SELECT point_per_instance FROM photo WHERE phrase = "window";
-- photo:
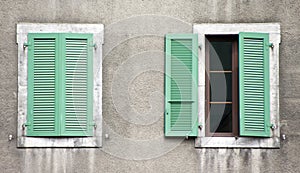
(237, 85)
(59, 85)
(238, 90)
(222, 87)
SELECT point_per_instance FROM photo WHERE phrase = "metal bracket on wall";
(94, 125)
(25, 125)
(94, 45)
(25, 45)
(273, 126)
(200, 126)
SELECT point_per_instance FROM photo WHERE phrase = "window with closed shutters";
(60, 84)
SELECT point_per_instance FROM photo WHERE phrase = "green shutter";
(41, 112)
(181, 81)
(78, 85)
(254, 84)
(60, 85)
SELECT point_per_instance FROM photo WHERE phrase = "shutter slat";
(254, 84)
(181, 85)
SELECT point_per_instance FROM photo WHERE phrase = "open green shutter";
(254, 84)
(181, 81)
(41, 105)
(77, 85)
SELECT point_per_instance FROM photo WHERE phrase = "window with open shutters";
(234, 88)
(238, 85)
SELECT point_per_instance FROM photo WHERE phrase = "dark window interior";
(221, 85)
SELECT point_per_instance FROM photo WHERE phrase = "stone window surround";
(98, 38)
(240, 142)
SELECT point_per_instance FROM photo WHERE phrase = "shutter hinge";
(200, 126)
(93, 124)
(25, 45)
(94, 45)
(25, 125)
(271, 45)
(273, 126)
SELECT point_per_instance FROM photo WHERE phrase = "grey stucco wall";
(134, 44)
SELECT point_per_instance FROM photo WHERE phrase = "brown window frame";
(235, 89)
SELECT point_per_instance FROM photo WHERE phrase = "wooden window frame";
(235, 90)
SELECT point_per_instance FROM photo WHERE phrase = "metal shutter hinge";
(200, 126)
(25, 125)
(94, 124)
(25, 45)
(271, 45)
(273, 126)
(94, 45)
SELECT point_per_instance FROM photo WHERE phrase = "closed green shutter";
(78, 86)
(42, 84)
(60, 85)
(254, 84)
(181, 81)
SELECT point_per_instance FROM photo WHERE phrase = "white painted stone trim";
(241, 142)
(98, 37)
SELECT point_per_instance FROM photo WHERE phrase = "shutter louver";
(41, 85)
(78, 85)
(181, 85)
(254, 84)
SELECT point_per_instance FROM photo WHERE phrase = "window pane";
(220, 56)
(220, 87)
(220, 118)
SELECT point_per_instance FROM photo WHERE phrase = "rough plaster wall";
(182, 157)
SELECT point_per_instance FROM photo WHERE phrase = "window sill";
(240, 142)
(53, 142)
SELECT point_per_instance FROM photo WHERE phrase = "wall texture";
(133, 68)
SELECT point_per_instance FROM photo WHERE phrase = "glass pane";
(220, 87)
(220, 56)
(220, 118)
